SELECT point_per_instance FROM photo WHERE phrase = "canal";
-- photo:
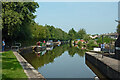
(60, 62)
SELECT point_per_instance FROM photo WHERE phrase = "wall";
(102, 67)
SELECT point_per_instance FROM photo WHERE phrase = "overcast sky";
(95, 17)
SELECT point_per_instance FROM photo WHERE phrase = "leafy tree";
(106, 39)
(81, 33)
(86, 37)
(17, 17)
(91, 44)
(40, 32)
(59, 34)
(56, 33)
(72, 34)
(52, 31)
(65, 36)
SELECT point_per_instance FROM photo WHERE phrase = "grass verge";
(10, 66)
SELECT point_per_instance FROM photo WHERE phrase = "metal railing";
(16, 46)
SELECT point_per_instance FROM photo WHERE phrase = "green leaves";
(80, 44)
(91, 44)
(48, 32)
(72, 34)
(17, 18)
(81, 33)
(77, 35)
(106, 39)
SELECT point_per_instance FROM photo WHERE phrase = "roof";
(82, 40)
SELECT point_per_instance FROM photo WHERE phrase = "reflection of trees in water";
(49, 56)
(74, 50)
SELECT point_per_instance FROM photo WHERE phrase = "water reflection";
(74, 50)
(40, 58)
(63, 61)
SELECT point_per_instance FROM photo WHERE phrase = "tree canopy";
(48, 32)
(19, 25)
(81, 33)
(72, 33)
(106, 39)
(17, 17)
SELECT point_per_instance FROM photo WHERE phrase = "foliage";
(11, 68)
(48, 32)
(40, 32)
(57, 33)
(80, 44)
(74, 50)
(19, 25)
(106, 39)
(72, 34)
(49, 56)
(81, 33)
(86, 37)
(91, 44)
(17, 18)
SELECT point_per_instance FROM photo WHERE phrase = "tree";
(56, 33)
(17, 17)
(106, 39)
(72, 34)
(86, 37)
(91, 44)
(40, 32)
(52, 31)
(81, 33)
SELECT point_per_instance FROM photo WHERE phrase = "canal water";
(60, 62)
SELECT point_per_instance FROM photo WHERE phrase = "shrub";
(91, 44)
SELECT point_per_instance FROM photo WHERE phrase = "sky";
(94, 17)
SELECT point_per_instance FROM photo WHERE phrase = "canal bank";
(109, 67)
(30, 71)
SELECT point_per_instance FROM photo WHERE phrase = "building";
(93, 36)
(82, 41)
(112, 35)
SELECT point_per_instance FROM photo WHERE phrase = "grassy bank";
(10, 66)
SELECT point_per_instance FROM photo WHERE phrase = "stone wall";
(106, 70)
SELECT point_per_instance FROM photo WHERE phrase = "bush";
(91, 44)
